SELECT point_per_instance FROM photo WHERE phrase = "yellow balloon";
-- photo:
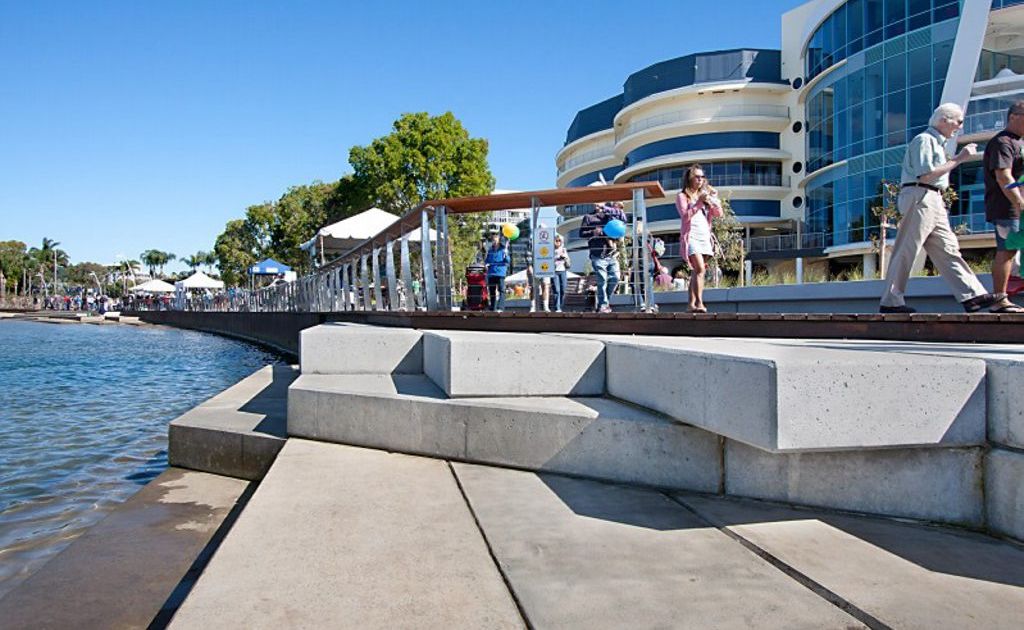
(510, 231)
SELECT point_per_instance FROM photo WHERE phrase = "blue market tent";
(268, 267)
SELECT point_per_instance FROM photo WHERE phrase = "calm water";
(83, 422)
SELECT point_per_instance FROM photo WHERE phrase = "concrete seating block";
(341, 348)
(238, 432)
(1004, 492)
(591, 437)
(466, 363)
(935, 484)
(793, 399)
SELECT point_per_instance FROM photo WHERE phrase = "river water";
(83, 422)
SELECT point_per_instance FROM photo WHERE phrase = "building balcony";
(786, 242)
(706, 114)
(587, 156)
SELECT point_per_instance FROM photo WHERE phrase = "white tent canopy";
(199, 280)
(155, 286)
(521, 278)
(338, 238)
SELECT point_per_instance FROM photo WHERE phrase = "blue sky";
(126, 126)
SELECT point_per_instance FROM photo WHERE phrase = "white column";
(410, 298)
(378, 295)
(870, 265)
(799, 270)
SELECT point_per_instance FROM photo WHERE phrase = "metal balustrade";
(702, 114)
(356, 280)
(786, 242)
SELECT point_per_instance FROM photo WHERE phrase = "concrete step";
(787, 399)
(592, 437)
(581, 554)
(342, 537)
(1004, 492)
(341, 348)
(901, 575)
(239, 431)
(467, 363)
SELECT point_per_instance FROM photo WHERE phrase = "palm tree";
(165, 257)
(195, 260)
(151, 258)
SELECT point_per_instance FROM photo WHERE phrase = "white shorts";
(698, 245)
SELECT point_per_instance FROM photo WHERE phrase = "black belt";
(920, 185)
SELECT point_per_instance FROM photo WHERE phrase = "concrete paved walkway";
(339, 536)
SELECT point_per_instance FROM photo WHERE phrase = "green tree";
(81, 274)
(195, 260)
(729, 233)
(425, 157)
(13, 259)
(156, 259)
(236, 249)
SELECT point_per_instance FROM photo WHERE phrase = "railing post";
(364, 280)
(534, 221)
(640, 216)
(346, 284)
(444, 271)
(389, 270)
(378, 296)
(410, 296)
(429, 288)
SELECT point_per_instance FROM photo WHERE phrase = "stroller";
(476, 288)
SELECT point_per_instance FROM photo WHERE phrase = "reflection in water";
(83, 422)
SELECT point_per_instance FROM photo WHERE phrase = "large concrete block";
(1004, 365)
(933, 484)
(781, 398)
(340, 348)
(1004, 492)
(590, 437)
(465, 363)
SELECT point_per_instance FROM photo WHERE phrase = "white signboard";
(544, 252)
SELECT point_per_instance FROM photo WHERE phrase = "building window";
(731, 173)
(860, 24)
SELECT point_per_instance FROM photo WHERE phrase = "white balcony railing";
(586, 156)
(705, 113)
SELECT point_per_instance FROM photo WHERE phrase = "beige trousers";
(925, 223)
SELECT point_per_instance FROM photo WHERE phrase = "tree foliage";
(423, 158)
(426, 157)
(14, 261)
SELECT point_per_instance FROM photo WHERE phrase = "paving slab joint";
(801, 578)
(490, 549)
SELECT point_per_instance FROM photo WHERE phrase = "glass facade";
(860, 24)
(727, 65)
(704, 142)
(733, 173)
(861, 116)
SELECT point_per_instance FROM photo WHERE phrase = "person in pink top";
(697, 204)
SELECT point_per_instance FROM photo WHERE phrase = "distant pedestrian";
(1004, 166)
(497, 260)
(559, 282)
(679, 282)
(697, 204)
(924, 221)
(603, 250)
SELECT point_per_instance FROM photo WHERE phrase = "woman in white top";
(697, 204)
(558, 283)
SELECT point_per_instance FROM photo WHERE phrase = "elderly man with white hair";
(924, 221)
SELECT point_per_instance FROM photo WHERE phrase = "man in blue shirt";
(603, 250)
(924, 221)
(497, 261)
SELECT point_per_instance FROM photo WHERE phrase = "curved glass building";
(801, 138)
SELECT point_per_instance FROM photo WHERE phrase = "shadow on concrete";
(628, 505)
(935, 548)
(272, 402)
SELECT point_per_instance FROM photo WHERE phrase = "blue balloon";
(615, 229)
